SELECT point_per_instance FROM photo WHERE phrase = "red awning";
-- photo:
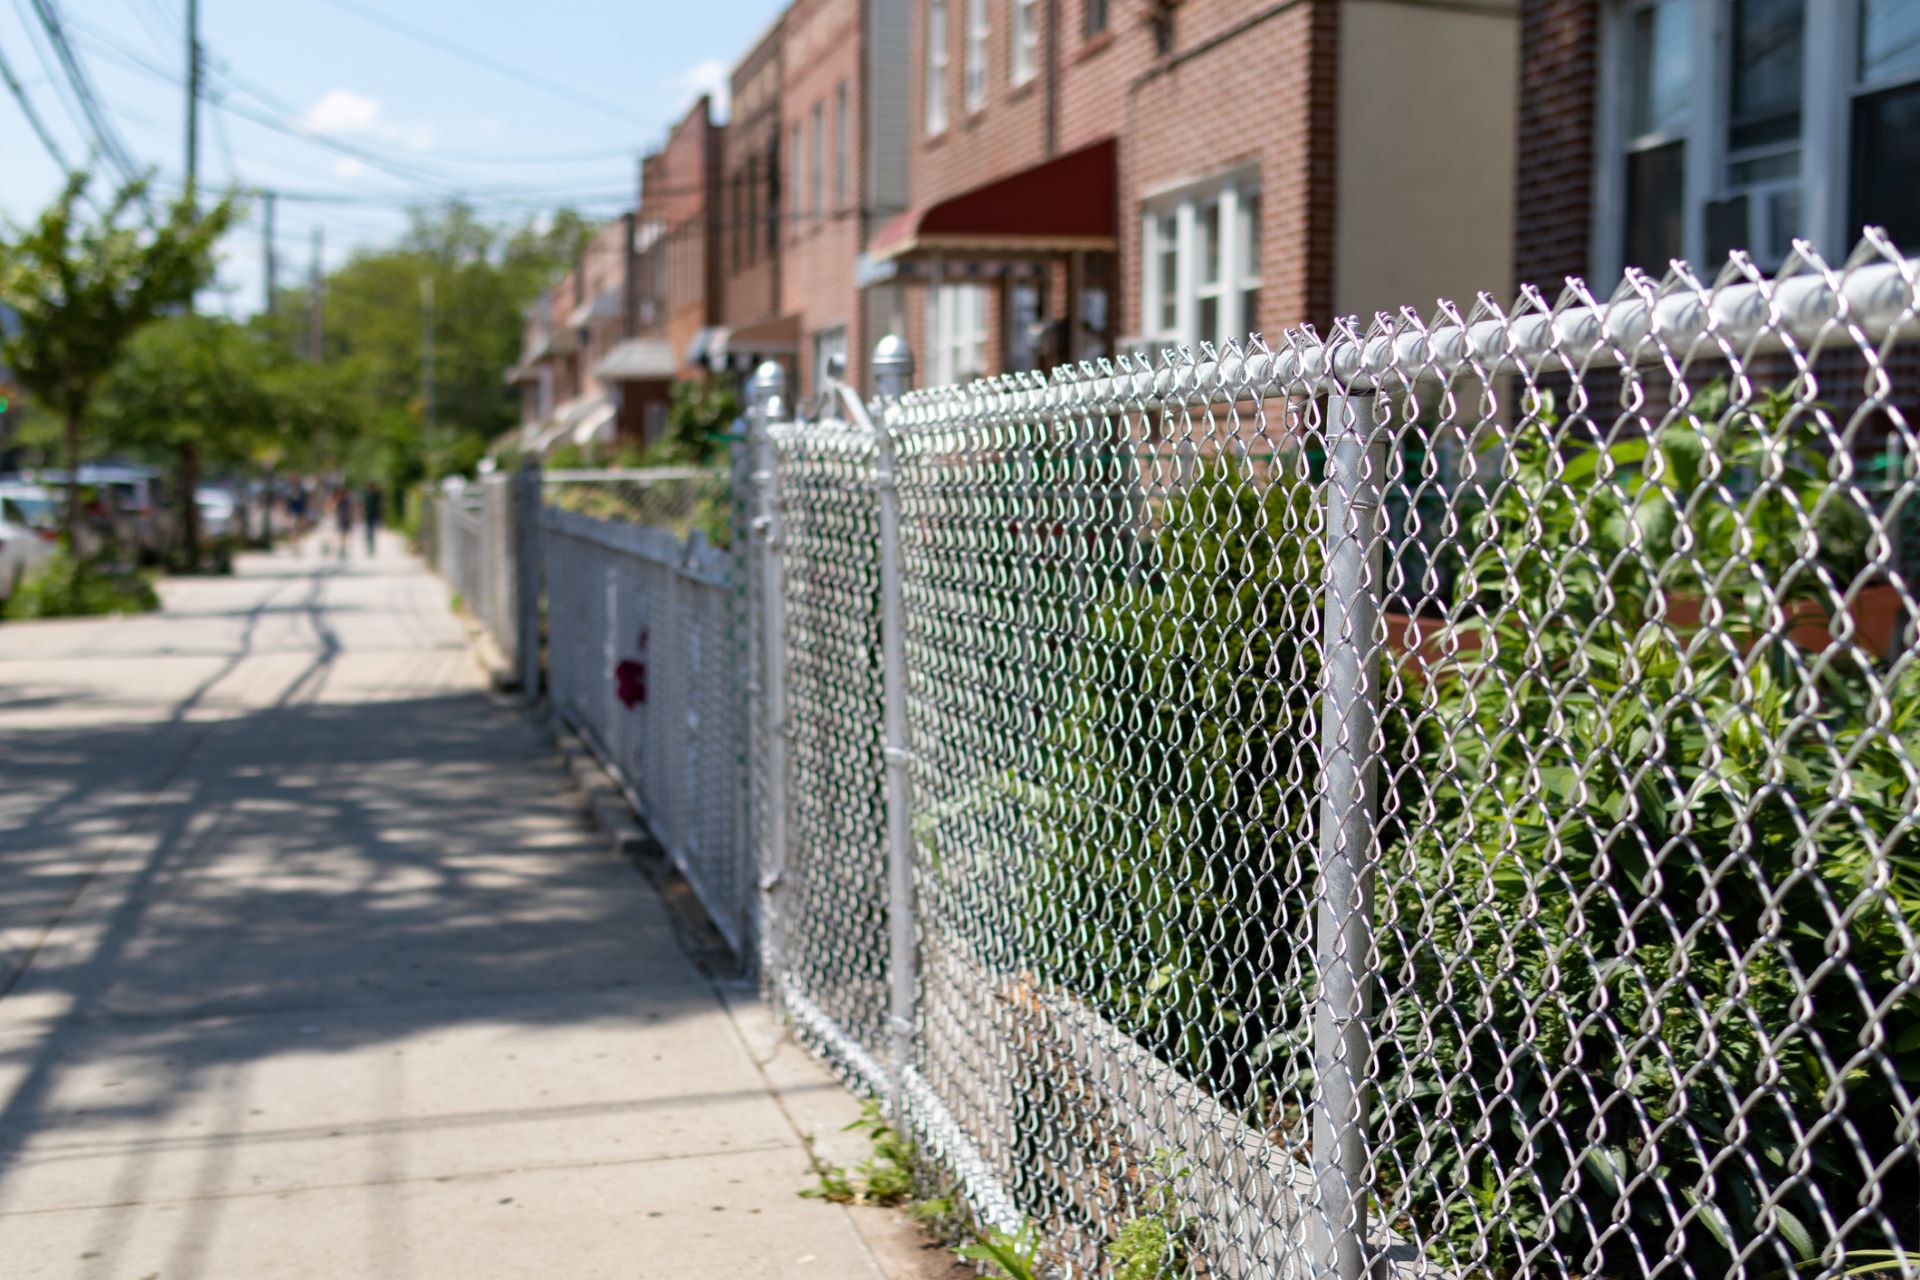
(1063, 204)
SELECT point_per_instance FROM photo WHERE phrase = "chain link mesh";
(645, 662)
(833, 948)
(1431, 801)
(1436, 800)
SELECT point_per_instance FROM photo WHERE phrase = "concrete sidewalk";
(311, 969)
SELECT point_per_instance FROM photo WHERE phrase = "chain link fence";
(1431, 801)
(645, 657)
(1435, 800)
(475, 544)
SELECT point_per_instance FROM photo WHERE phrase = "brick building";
(1660, 129)
(751, 223)
(843, 169)
(1090, 175)
(679, 239)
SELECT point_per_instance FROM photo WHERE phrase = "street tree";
(82, 282)
(200, 390)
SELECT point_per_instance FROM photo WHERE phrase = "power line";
(110, 144)
(27, 109)
(481, 60)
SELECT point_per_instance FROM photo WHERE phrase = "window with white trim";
(979, 31)
(828, 345)
(957, 332)
(1744, 124)
(840, 146)
(1200, 264)
(818, 169)
(936, 86)
(1884, 113)
(796, 148)
(1026, 41)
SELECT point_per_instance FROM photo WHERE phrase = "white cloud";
(342, 113)
(348, 167)
(709, 77)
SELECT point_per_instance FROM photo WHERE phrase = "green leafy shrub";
(1649, 888)
(1184, 750)
(66, 587)
(1622, 850)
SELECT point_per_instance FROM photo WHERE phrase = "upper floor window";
(1093, 17)
(817, 171)
(1745, 124)
(1200, 264)
(1885, 121)
(936, 87)
(840, 145)
(1026, 41)
(978, 33)
(773, 189)
(796, 148)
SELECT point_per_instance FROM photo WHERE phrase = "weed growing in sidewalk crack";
(885, 1177)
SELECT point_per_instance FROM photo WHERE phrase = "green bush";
(1608, 923)
(1185, 749)
(1649, 885)
(66, 587)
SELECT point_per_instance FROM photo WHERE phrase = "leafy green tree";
(82, 286)
(198, 390)
(483, 277)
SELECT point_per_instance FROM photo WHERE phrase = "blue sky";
(325, 73)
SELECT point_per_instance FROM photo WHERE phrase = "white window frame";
(1829, 84)
(1025, 63)
(1235, 279)
(957, 332)
(935, 103)
(979, 33)
(817, 166)
(797, 146)
(840, 146)
(827, 343)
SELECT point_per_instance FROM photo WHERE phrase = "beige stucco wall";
(1426, 144)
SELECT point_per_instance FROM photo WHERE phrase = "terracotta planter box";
(1875, 612)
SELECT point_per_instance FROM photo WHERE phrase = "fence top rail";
(1678, 319)
(694, 557)
(641, 475)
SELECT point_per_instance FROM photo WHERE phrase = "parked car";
(42, 509)
(23, 545)
(137, 506)
(218, 511)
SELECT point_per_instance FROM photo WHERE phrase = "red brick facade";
(750, 193)
(821, 86)
(1557, 104)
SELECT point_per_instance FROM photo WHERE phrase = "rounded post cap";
(770, 379)
(892, 357)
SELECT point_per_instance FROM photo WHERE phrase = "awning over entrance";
(1064, 204)
(638, 360)
(776, 337)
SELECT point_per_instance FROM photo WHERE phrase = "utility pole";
(316, 299)
(268, 266)
(193, 98)
(426, 359)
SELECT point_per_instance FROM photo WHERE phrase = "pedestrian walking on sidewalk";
(370, 513)
(343, 519)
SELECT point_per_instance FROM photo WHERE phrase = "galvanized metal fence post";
(767, 399)
(529, 577)
(1349, 725)
(892, 374)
